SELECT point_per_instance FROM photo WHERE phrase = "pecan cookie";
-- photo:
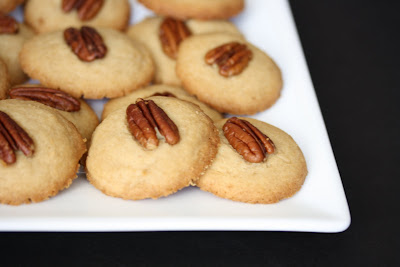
(204, 9)
(12, 37)
(151, 149)
(228, 73)
(40, 151)
(75, 110)
(50, 15)
(4, 80)
(6, 6)
(88, 62)
(163, 35)
(256, 163)
(162, 90)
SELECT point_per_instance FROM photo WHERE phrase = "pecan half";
(232, 58)
(144, 117)
(164, 94)
(50, 97)
(247, 140)
(172, 33)
(12, 138)
(87, 9)
(86, 43)
(8, 24)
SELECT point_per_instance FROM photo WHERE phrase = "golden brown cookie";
(4, 80)
(6, 6)
(160, 89)
(10, 46)
(123, 67)
(204, 9)
(255, 88)
(75, 110)
(148, 33)
(57, 147)
(278, 176)
(119, 164)
(49, 15)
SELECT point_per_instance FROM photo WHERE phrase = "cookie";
(6, 6)
(205, 9)
(57, 147)
(278, 176)
(123, 166)
(75, 110)
(4, 80)
(51, 15)
(148, 33)
(253, 82)
(119, 65)
(10, 45)
(160, 89)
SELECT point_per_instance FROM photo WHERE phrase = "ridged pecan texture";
(86, 43)
(8, 24)
(13, 138)
(50, 97)
(144, 117)
(172, 33)
(232, 58)
(87, 9)
(247, 140)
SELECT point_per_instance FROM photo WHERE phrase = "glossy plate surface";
(320, 206)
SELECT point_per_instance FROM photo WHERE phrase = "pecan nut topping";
(13, 138)
(50, 97)
(143, 119)
(172, 33)
(8, 25)
(232, 58)
(247, 140)
(86, 43)
(87, 9)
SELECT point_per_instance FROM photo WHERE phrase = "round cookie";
(255, 89)
(85, 120)
(10, 46)
(148, 91)
(57, 149)
(147, 32)
(279, 176)
(204, 9)
(127, 65)
(4, 80)
(120, 166)
(6, 6)
(48, 15)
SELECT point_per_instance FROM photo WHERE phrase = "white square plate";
(320, 206)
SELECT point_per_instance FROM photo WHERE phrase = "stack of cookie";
(168, 80)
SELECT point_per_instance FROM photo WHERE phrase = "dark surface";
(352, 52)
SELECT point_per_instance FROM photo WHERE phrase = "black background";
(352, 52)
